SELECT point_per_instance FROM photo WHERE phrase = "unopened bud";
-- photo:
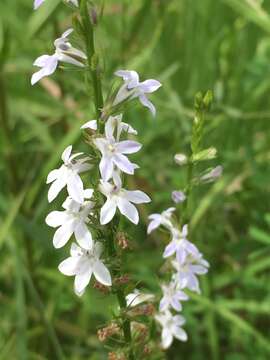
(178, 196)
(106, 332)
(146, 310)
(213, 174)
(124, 279)
(94, 16)
(115, 356)
(180, 159)
(122, 240)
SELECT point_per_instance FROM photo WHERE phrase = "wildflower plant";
(97, 198)
(93, 207)
(184, 261)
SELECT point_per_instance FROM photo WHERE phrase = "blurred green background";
(189, 45)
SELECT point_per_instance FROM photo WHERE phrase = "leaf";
(40, 17)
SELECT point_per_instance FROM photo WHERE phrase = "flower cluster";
(186, 263)
(80, 209)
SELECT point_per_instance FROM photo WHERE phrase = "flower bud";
(108, 331)
(212, 175)
(178, 196)
(180, 159)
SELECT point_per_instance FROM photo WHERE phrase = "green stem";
(186, 216)
(92, 57)
(120, 293)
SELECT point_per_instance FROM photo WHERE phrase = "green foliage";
(190, 46)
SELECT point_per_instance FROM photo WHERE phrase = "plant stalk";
(92, 57)
(92, 60)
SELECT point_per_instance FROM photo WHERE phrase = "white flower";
(72, 220)
(120, 198)
(113, 151)
(160, 219)
(172, 297)
(178, 196)
(180, 245)
(186, 273)
(83, 262)
(67, 175)
(64, 52)
(171, 327)
(133, 88)
(137, 297)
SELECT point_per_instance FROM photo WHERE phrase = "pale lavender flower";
(38, 3)
(83, 262)
(120, 198)
(113, 152)
(133, 88)
(180, 246)
(137, 297)
(178, 196)
(186, 275)
(68, 175)
(160, 219)
(212, 175)
(64, 52)
(72, 220)
(171, 327)
(172, 297)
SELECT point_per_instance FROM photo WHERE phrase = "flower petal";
(129, 210)
(92, 124)
(102, 274)
(56, 218)
(66, 154)
(166, 338)
(53, 175)
(63, 234)
(170, 249)
(55, 188)
(107, 211)
(83, 236)
(68, 266)
(106, 167)
(154, 224)
(180, 334)
(149, 86)
(146, 102)
(82, 280)
(122, 162)
(137, 196)
(128, 147)
(75, 188)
